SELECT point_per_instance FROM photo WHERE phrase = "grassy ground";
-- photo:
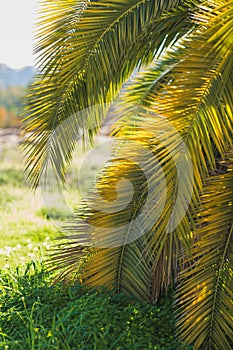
(36, 315)
(28, 225)
(24, 233)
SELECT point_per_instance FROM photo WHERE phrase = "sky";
(16, 32)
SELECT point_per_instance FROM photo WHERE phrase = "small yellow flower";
(49, 334)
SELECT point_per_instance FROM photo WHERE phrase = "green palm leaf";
(192, 106)
(124, 229)
(86, 51)
(205, 294)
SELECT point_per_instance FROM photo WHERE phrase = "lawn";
(34, 313)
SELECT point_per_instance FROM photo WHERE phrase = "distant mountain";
(15, 77)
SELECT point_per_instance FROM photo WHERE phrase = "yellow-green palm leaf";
(86, 50)
(205, 293)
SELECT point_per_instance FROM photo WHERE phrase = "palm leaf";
(195, 96)
(121, 228)
(85, 52)
(197, 101)
(191, 93)
(205, 294)
(189, 100)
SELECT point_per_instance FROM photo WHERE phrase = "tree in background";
(3, 117)
(11, 106)
(178, 109)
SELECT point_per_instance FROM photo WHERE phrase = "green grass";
(36, 315)
(27, 228)
(11, 176)
(27, 225)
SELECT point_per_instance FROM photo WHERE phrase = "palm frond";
(195, 96)
(105, 227)
(191, 93)
(195, 101)
(86, 50)
(120, 219)
(205, 293)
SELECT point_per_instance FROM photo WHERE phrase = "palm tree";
(175, 117)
